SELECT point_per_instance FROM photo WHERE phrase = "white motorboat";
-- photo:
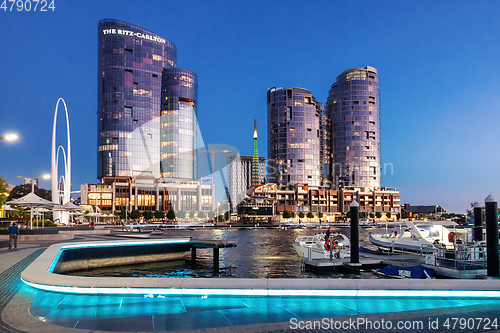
(430, 237)
(315, 247)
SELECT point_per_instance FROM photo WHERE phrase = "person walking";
(13, 235)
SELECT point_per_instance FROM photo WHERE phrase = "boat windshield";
(429, 231)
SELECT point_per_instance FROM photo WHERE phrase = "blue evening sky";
(438, 62)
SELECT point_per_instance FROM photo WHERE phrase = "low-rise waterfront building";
(257, 209)
(332, 203)
(147, 193)
(424, 212)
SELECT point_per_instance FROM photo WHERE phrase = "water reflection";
(260, 253)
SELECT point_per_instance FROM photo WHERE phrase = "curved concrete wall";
(39, 275)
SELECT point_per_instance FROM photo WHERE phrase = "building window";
(128, 111)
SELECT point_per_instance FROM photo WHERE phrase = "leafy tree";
(398, 216)
(372, 215)
(290, 187)
(201, 215)
(291, 214)
(3, 191)
(388, 215)
(320, 214)
(286, 214)
(310, 215)
(348, 214)
(301, 215)
(378, 214)
(211, 214)
(362, 215)
(181, 214)
(22, 190)
(171, 214)
(159, 214)
(404, 215)
(191, 215)
(123, 214)
(148, 215)
(135, 214)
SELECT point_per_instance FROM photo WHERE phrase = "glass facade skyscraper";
(353, 108)
(130, 64)
(179, 97)
(293, 145)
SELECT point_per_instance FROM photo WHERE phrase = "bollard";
(477, 230)
(216, 260)
(491, 204)
(354, 232)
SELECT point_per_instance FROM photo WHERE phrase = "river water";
(260, 253)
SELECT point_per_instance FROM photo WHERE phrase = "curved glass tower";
(293, 145)
(130, 64)
(353, 107)
(178, 123)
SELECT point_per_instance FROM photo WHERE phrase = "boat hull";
(401, 244)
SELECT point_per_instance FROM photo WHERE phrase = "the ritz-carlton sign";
(132, 33)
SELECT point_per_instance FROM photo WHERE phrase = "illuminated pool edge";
(85, 245)
(39, 275)
(267, 292)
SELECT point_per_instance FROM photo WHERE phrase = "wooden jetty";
(210, 244)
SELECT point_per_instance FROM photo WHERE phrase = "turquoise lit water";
(144, 313)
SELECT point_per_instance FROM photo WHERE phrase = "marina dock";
(366, 261)
(210, 244)
(447, 268)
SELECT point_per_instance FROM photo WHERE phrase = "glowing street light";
(46, 176)
(9, 137)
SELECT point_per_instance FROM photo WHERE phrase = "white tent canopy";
(31, 200)
(7, 207)
(69, 207)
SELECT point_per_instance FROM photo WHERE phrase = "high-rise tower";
(255, 156)
(353, 107)
(178, 123)
(293, 129)
(130, 64)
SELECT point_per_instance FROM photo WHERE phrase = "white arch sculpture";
(66, 195)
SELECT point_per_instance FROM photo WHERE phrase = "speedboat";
(429, 237)
(315, 247)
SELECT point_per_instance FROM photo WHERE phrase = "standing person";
(327, 236)
(13, 235)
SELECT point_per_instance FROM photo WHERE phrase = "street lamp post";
(33, 179)
(9, 137)
(126, 211)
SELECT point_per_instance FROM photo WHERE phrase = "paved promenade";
(15, 315)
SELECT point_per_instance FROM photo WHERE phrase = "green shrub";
(171, 214)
